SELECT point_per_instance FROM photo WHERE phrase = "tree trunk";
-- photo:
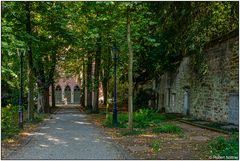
(83, 84)
(96, 77)
(46, 103)
(130, 79)
(53, 96)
(43, 89)
(105, 78)
(43, 99)
(30, 64)
(89, 84)
(40, 106)
(30, 93)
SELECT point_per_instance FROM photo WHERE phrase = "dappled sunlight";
(58, 128)
(96, 141)
(43, 146)
(55, 139)
(82, 123)
(38, 133)
(78, 115)
(45, 127)
(149, 135)
(26, 134)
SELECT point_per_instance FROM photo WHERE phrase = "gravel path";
(68, 135)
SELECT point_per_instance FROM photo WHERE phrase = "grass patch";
(224, 148)
(167, 128)
(132, 132)
(155, 145)
(142, 118)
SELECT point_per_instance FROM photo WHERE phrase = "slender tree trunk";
(105, 89)
(53, 95)
(130, 79)
(46, 103)
(96, 77)
(83, 85)
(89, 84)
(30, 94)
(105, 78)
(40, 106)
(30, 64)
(43, 89)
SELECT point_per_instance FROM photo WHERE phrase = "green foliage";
(132, 132)
(122, 120)
(226, 148)
(8, 121)
(155, 145)
(8, 114)
(142, 118)
(168, 128)
(146, 117)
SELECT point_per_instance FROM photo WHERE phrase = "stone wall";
(205, 82)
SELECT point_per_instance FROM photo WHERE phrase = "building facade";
(67, 91)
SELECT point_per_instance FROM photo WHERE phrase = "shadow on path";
(68, 135)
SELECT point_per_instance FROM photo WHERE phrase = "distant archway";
(76, 95)
(67, 94)
(58, 94)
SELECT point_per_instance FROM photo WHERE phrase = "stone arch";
(76, 95)
(67, 94)
(58, 94)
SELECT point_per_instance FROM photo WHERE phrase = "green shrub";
(224, 147)
(133, 132)
(167, 128)
(155, 145)
(9, 126)
(147, 117)
(122, 120)
(7, 116)
(141, 119)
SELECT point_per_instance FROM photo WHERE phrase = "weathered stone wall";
(178, 81)
(211, 79)
(209, 96)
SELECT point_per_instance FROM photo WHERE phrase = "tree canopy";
(69, 35)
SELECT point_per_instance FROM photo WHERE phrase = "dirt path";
(188, 145)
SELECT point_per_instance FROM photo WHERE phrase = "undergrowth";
(142, 118)
(224, 148)
(167, 128)
(9, 120)
(132, 132)
(155, 145)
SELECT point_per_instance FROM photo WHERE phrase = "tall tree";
(30, 64)
(130, 70)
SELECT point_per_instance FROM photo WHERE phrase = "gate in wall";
(233, 113)
(67, 94)
(76, 95)
(58, 95)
